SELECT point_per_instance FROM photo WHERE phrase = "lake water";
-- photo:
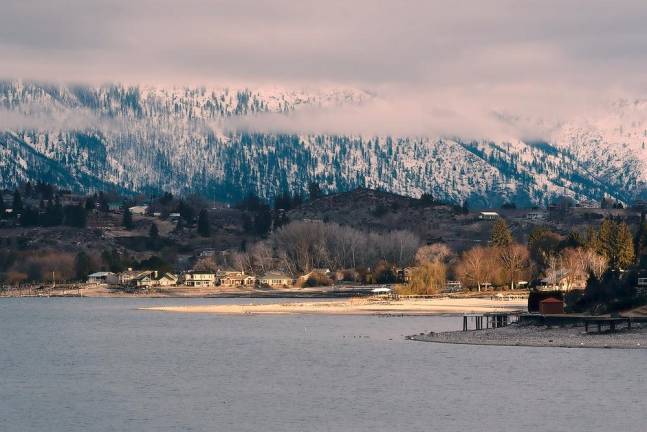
(101, 365)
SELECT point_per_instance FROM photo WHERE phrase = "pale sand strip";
(358, 307)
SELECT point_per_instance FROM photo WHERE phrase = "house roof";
(101, 274)
(551, 300)
(275, 274)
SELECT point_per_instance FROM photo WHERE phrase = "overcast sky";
(537, 56)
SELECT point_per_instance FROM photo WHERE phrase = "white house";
(195, 278)
(563, 280)
(275, 279)
(236, 278)
(103, 278)
(127, 277)
(166, 279)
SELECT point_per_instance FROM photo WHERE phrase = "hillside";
(147, 139)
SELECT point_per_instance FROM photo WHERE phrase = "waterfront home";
(196, 278)
(487, 215)
(235, 278)
(103, 278)
(125, 278)
(275, 279)
(404, 274)
(166, 279)
(562, 280)
(146, 280)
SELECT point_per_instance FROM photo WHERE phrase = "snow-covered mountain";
(145, 139)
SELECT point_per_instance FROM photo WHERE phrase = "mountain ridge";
(148, 139)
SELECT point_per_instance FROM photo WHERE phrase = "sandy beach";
(540, 336)
(357, 306)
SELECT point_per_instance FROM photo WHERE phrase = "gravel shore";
(537, 336)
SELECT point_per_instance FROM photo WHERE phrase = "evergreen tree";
(82, 265)
(153, 232)
(204, 225)
(127, 219)
(624, 247)
(500, 235)
(75, 216)
(314, 190)
(606, 240)
(103, 202)
(90, 204)
(640, 239)
(2, 207)
(263, 220)
(186, 212)
(592, 240)
(17, 202)
(29, 217)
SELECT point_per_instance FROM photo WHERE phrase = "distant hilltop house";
(536, 215)
(276, 279)
(195, 278)
(103, 278)
(487, 215)
(138, 210)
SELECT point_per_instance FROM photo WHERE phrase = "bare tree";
(437, 252)
(515, 260)
(475, 267)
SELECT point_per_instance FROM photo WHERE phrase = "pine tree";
(606, 240)
(624, 247)
(17, 202)
(204, 226)
(153, 232)
(82, 265)
(641, 243)
(592, 240)
(500, 235)
(314, 190)
(127, 219)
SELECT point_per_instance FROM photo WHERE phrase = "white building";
(275, 279)
(103, 278)
(196, 278)
(487, 215)
(138, 210)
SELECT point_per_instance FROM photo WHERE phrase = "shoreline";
(540, 337)
(357, 306)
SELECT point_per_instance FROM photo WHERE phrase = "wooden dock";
(491, 320)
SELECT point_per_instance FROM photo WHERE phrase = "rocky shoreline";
(541, 336)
